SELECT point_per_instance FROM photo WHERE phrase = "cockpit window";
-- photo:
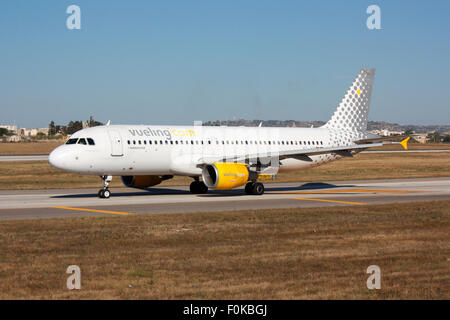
(90, 141)
(82, 141)
(72, 141)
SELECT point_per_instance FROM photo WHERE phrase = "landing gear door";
(116, 143)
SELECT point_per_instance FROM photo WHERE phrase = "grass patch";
(303, 253)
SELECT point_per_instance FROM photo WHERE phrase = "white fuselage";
(176, 150)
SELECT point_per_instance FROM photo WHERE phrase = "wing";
(299, 154)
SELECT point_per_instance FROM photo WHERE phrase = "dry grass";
(315, 253)
(40, 175)
(28, 148)
(415, 146)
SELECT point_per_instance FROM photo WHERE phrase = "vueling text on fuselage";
(167, 133)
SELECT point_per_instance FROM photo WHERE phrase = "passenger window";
(145, 141)
(171, 142)
(149, 141)
(82, 141)
(176, 142)
(90, 141)
(129, 142)
(167, 142)
(139, 141)
(160, 142)
(192, 141)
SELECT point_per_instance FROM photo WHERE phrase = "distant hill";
(372, 125)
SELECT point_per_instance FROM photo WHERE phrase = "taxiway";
(38, 204)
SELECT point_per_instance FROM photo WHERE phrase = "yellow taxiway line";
(336, 201)
(95, 210)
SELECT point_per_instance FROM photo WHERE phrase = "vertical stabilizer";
(353, 111)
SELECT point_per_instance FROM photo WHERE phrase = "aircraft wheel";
(249, 188)
(258, 188)
(104, 194)
(198, 187)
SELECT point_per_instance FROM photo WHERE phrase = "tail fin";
(353, 111)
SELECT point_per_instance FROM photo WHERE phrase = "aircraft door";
(116, 143)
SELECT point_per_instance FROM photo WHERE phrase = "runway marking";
(347, 191)
(325, 200)
(95, 210)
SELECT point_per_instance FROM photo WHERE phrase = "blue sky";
(161, 62)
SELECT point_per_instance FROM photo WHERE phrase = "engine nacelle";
(141, 181)
(224, 176)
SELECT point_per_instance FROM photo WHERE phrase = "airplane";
(223, 157)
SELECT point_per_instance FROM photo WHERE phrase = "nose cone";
(58, 158)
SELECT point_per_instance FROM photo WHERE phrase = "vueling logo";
(167, 133)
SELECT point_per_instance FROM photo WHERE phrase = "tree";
(434, 137)
(446, 139)
(408, 132)
(94, 123)
(52, 128)
(73, 127)
(5, 132)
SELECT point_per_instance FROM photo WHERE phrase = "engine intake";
(224, 176)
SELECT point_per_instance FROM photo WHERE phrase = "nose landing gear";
(105, 193)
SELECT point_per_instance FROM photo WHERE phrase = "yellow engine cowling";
(224, 176)
(141, 181)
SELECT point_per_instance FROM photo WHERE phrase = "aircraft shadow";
(211, 193)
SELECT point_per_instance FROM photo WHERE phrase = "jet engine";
(223, 175)
(143, 181)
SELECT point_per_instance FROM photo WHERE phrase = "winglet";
(404, 143)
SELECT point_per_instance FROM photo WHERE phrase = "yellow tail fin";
(404, 143)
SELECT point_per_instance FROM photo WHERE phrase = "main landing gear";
(256, 188)
(105, 193)
(198, 187)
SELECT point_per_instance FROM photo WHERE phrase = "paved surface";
(24, 158)
(17, 204)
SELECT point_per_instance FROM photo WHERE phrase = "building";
(420, 137)
(386, 132)
(10, 128)
(32, 132)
